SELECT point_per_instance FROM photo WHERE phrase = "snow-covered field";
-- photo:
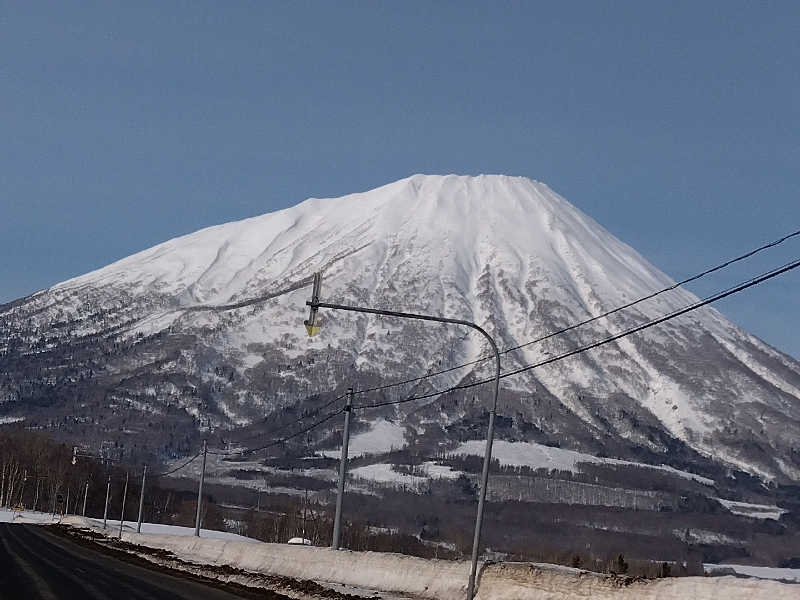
(384, 436)
(755, 511)
(535, 456)
(384, 473)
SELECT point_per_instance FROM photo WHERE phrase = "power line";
(313, 413)
(176, 468)
(716, 297)
(282, 440)
(307, 281)
(710, 299)
(674, 286)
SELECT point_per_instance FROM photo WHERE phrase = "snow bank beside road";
(446, 580)
(155, 528)
(372, 570)
(28, 516)
(518, 581)
(775, 573)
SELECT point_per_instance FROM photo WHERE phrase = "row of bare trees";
(38, 473)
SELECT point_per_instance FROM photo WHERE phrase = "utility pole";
(313, 328)
(105, 510)
(337, 521)
(200, 491)
(85, 495)
(141, 502)
(124, 496)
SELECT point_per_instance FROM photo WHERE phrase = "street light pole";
(313, 328)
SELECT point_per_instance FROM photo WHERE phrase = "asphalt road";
(37, 564)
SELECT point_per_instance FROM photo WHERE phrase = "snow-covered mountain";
(123, 351)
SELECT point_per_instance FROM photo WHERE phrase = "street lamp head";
(312, 327)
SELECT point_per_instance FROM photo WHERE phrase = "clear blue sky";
(674, 124)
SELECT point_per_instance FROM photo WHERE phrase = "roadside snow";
(773, 573)
(446, 580)
(28, 516)
(176, 530)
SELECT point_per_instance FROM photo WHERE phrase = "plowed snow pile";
(446, 580)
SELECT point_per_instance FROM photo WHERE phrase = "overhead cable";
(245, 451)
(308, 415)
(178, 468)
(589, 320)
(708, 300)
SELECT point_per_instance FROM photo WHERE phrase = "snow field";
(383, 436)
(384, 473)
(755, 511)
(535, 456)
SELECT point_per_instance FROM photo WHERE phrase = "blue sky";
(675, 125)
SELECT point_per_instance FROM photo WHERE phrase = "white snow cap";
(451, 216)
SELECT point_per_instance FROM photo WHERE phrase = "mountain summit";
(140, 342)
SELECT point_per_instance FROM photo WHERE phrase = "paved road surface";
(36, 564)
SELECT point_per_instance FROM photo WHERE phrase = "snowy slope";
(505, 252)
